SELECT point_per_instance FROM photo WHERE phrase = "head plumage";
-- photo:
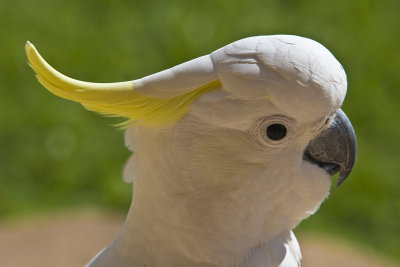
(260, 67)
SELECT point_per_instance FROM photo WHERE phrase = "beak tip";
(340, 180)
(344, 173)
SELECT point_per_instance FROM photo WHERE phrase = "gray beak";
(335, 148)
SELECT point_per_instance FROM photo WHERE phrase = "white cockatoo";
(231, 151)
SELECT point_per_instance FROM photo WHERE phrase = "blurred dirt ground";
(73, 239)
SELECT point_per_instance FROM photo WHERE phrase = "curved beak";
(335, 148)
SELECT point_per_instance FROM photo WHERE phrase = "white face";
(235, 163)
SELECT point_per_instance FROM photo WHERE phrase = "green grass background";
(54, 155)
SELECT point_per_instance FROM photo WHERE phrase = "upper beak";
(335, 148)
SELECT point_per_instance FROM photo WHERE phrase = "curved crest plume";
(115, 99)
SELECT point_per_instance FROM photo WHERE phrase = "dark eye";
(276, 131)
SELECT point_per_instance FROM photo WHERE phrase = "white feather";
(207, 192)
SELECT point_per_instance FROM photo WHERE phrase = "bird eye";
(276, 131)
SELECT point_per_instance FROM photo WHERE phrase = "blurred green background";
(54, 155)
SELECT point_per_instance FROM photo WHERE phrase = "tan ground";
(72, 239)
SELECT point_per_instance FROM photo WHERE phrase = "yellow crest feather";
(115, 99)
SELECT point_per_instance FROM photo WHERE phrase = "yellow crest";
(115, 99)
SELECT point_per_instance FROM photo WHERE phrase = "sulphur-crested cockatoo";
(232, 150)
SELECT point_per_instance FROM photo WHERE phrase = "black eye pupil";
(276, 131)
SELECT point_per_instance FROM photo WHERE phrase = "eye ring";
(274, 131)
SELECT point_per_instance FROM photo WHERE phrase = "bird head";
(255, 126)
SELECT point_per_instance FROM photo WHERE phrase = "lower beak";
(335, 148)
